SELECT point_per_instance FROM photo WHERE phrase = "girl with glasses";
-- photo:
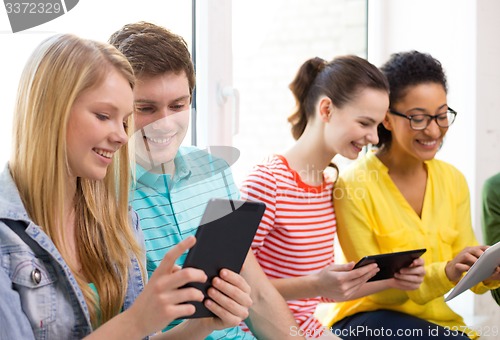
(411, 200)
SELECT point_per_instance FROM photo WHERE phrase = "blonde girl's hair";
(57, 73)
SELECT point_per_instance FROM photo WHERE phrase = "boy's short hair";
(153, 50)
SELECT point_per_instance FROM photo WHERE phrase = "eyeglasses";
(422, 121)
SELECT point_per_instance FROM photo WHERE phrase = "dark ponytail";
(300, 88)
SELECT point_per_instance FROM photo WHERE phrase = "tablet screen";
(390, 263)
(223, 239)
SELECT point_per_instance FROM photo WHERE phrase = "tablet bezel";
(390, 263)
(218, 246)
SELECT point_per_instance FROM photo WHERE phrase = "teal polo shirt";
(170, 208)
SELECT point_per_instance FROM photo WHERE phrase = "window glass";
(271, 39)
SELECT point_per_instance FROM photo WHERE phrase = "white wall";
(463, 35)
(487, 105)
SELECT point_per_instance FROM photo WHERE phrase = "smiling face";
(426, 98)
(161, 118)
(355, 124)
(97, 126)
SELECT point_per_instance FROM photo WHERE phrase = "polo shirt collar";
(155, 180)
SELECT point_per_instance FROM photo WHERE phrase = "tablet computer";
(483, 268)
(226, 231)
(390, 263)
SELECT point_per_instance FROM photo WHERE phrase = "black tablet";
(390, 263)
(223, 239)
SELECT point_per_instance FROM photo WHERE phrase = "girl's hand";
(462, 262)
(409, 278)
(495, 276)
(163, 300)
(340, 281)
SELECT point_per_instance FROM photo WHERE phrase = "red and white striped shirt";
(296, 234)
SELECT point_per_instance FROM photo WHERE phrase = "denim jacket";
(39, 296)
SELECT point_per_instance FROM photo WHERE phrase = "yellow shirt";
(373, 217)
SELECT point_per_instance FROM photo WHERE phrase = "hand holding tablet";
(483, 268)
(223, 239)
(390, 263)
